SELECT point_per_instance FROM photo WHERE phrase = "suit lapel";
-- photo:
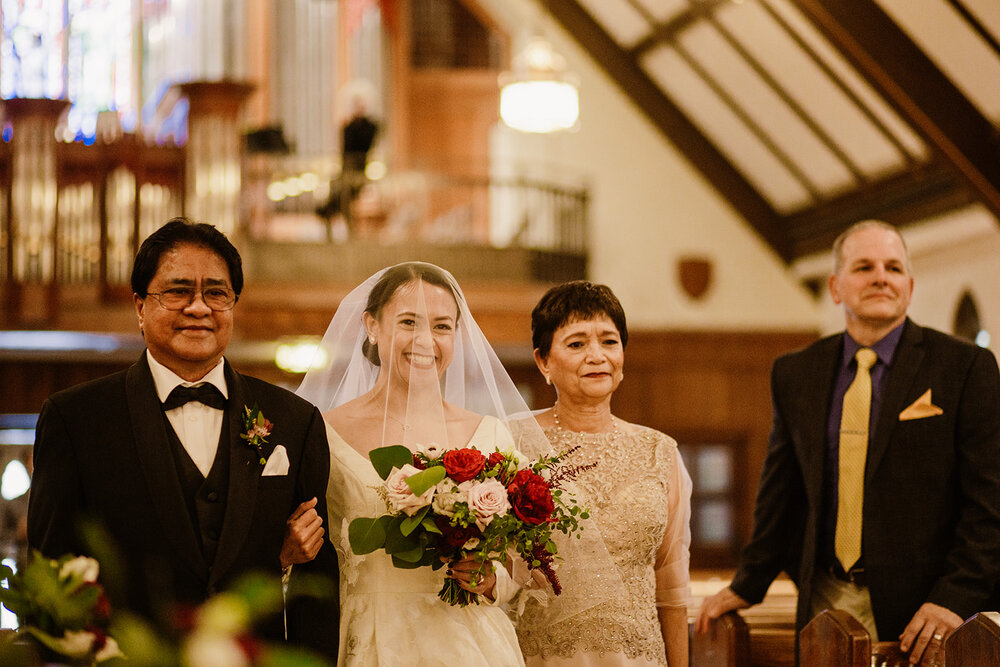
(816, 393)
(244, 474)
(150, 432)
(905, 365)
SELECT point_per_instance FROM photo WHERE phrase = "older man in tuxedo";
(880, 493)
(157, 454)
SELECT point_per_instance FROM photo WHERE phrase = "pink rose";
(488, 499)
(401, 497)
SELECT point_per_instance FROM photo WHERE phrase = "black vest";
(205, 497)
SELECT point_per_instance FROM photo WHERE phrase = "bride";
(408, 365)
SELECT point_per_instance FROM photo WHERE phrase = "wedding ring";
(938, 636)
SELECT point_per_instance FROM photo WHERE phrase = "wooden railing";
(73, 215)
(836, 639)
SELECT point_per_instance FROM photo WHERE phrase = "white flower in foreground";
(81, 567)
(75, 643)
(110, 650)
(224, 613)
(431, 450)
(212, 649)
(447, 495)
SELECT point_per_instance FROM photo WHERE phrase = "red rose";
(455, 536)
(102, 608)
(463, 464)
(499, 459)
(531, 497)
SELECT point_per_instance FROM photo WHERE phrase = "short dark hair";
(390, 282)
(180, 231)
(570, 302)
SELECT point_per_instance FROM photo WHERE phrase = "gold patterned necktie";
(853, 452)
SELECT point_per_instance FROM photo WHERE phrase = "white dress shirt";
(197, 426)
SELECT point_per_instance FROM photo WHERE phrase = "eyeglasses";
(179, 298)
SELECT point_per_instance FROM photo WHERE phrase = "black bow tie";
(205, 393)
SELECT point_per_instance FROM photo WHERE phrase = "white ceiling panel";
(988, 13)
(846, 72)
(619, 18)
(814, 90)
(726, 130)
(663, 11)
(955, 47)
(786, 130)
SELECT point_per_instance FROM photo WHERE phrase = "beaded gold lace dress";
(640, 494)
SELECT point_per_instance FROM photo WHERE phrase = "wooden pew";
(727, 645)
(975, 642)
(734, 642)
(836, 639)
(768, 627)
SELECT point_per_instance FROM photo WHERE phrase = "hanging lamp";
(538, 95)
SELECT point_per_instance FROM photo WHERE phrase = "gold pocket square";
(920, 408)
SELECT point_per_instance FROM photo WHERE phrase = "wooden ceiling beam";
(671, 121)
(899, 199)
(896, 67)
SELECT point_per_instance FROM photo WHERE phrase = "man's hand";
(927, 630)
(717, 605)
(303, 535)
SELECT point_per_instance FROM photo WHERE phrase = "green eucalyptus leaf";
(425, 479)
(395, 541)
(430, 526)
(384, 459)
(410, 523)
(414, 555)
(367, 534)
(403, 564)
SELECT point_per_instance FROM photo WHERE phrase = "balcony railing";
(73, 215)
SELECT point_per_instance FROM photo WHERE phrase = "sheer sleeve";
(673, 558)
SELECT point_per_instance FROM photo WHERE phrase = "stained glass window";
(80, 50)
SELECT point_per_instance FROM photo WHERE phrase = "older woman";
(639, 493)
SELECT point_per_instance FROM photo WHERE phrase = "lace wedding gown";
(392, 617)
(639, 492)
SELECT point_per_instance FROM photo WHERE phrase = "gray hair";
(838, 244)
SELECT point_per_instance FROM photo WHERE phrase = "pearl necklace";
(555, 418)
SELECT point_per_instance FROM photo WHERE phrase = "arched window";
(966, 324)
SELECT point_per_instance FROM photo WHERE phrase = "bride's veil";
(345, 368)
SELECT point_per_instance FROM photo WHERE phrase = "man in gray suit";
(928, 477)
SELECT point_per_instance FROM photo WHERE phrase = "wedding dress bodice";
(393, 617)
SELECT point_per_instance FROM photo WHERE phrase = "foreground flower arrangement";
(65, 612)
(61, 606)
(446, 505)
(219, 632)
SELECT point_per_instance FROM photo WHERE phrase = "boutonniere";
(258, 427)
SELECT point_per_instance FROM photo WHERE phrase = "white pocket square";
(277, 463)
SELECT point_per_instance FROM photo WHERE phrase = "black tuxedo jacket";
(931, 521)
(102, 453)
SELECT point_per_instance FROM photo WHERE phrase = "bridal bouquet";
(445, 505)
